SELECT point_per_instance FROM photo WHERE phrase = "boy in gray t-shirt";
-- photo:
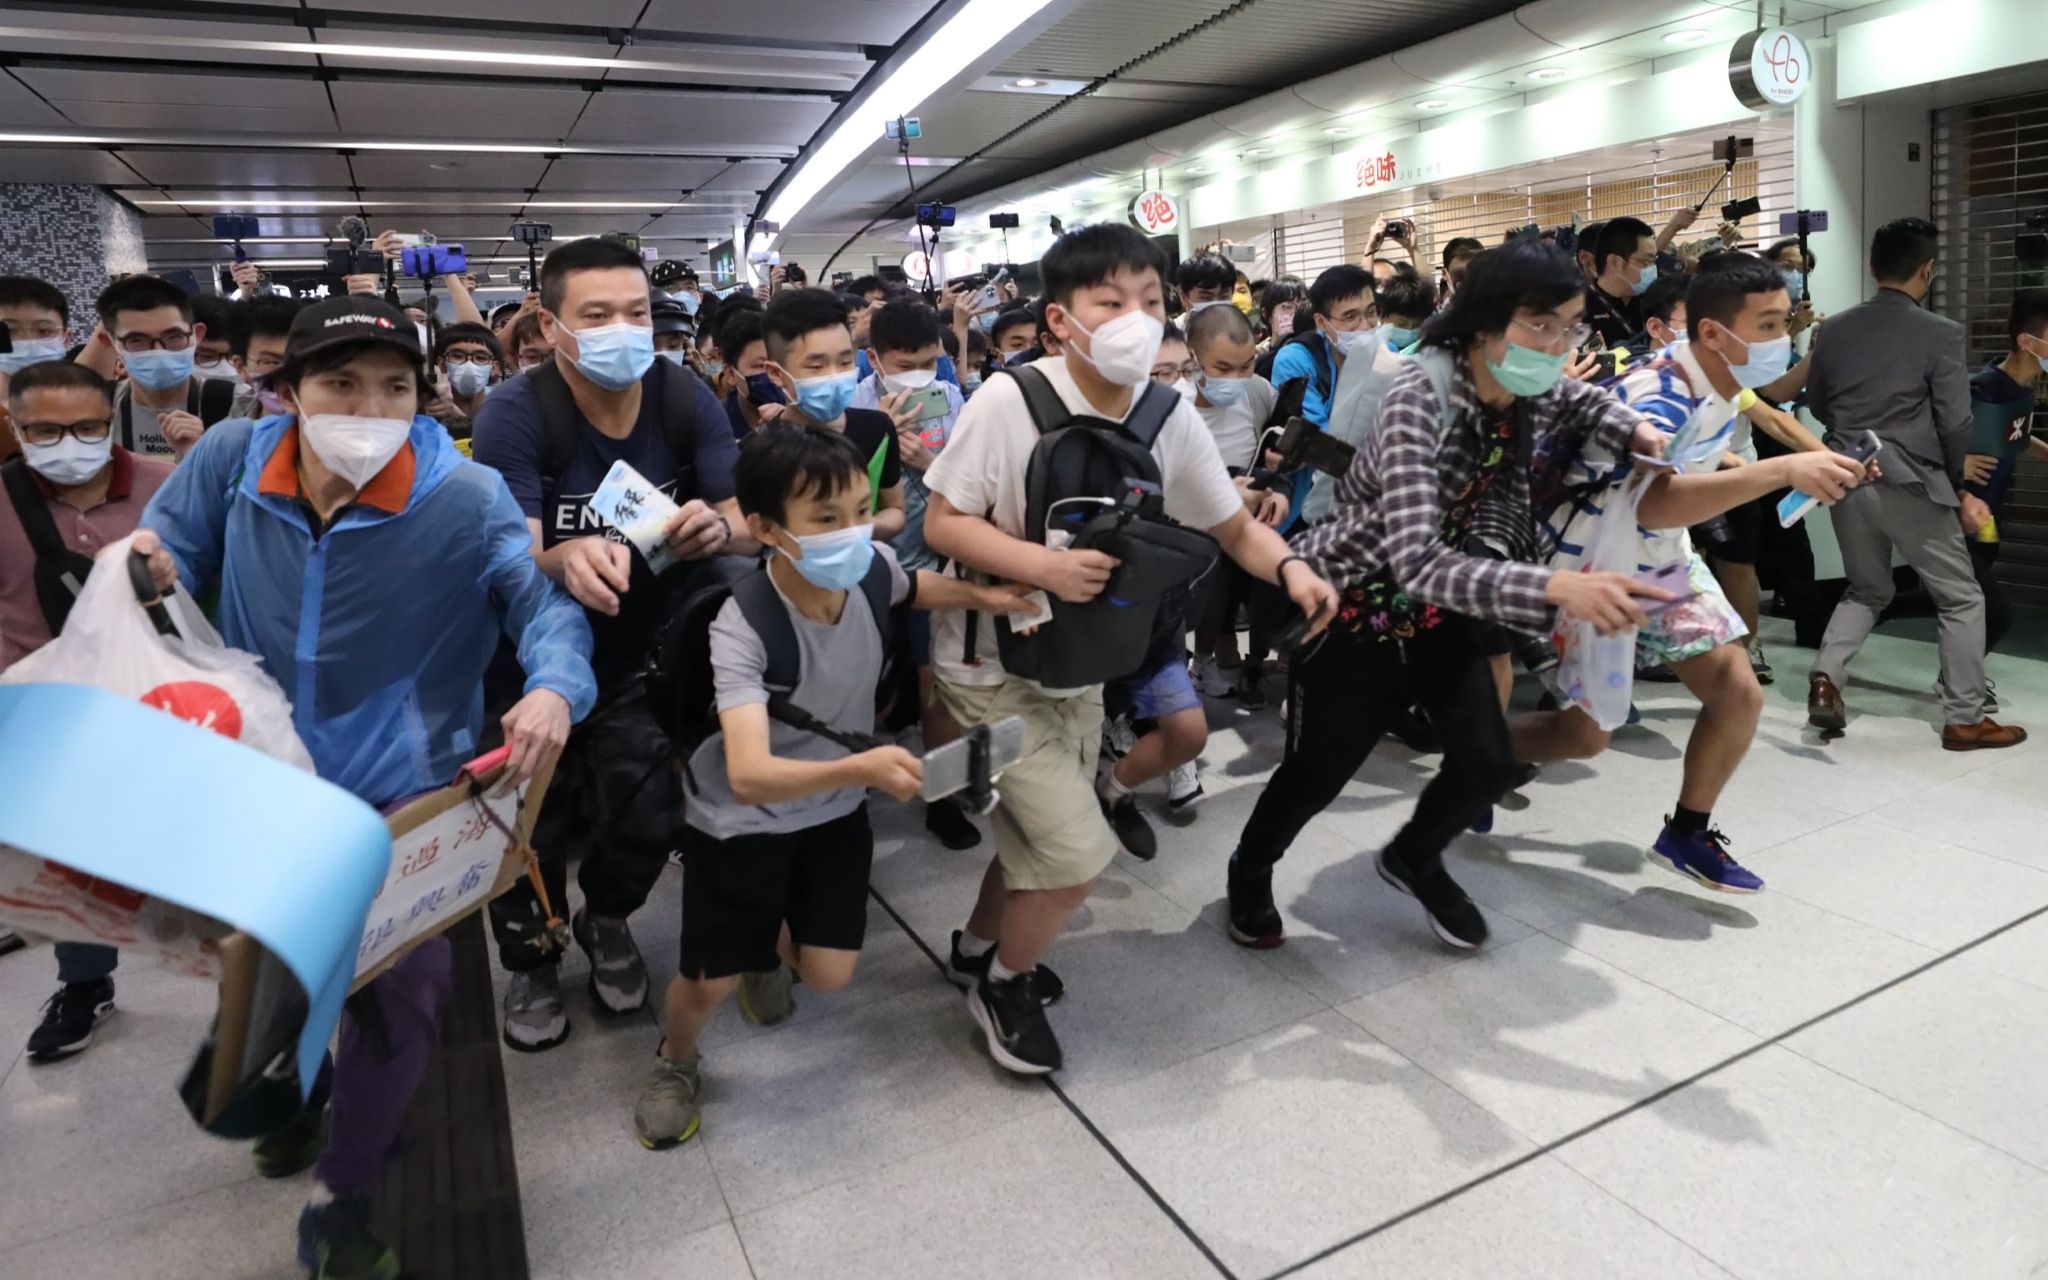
(775, 874)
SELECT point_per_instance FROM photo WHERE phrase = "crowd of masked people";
(921, 514)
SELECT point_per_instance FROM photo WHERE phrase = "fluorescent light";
(1195, 168)
(1026, 83)
(252, 142)
(1549, 73)
(1432, 104)
(1337, 131)
(424, 202)
(974, 29)
(1690, 35)
(1260, 151)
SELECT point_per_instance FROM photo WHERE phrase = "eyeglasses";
(168, 340)
(49, 433)
(1553, 335)
(33, 328)
(469, 357)
(265, 364)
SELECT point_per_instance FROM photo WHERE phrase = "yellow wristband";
(1746, 401)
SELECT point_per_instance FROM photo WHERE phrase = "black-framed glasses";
(168, 340)
(471, 357)
(20, 329)
(49, 433)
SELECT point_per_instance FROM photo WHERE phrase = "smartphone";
(1861, 446)
(1673, 577)
(761, 389)
(926, 403)
(949, 768)
(991, 295)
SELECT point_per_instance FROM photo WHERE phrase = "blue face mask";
(28, 351)
(615, 356)
(1645, 280)
(835, 561)
(159, 370)
(1223, 392)
(1767, 362)
(824, 399)
(1795, 284)
(1399, 339)
(1523, 372)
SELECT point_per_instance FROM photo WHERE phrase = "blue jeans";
(85, 962)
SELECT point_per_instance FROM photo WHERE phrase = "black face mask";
(761, 389)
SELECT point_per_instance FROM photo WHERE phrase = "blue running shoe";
(1702, 857)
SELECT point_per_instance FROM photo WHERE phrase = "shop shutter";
(1990, 175)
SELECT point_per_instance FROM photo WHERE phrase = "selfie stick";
(1734, 149)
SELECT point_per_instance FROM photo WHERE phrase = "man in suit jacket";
(1892, 367)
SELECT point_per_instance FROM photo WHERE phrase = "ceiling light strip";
(248, 142)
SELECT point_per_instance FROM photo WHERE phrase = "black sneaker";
(1132, 831)
(69, 1018)
(1251, 688)
(950, 823)
(336, 1243)
(1451, 914)
(1012, 1018)
(1254, 920)
(966, 970)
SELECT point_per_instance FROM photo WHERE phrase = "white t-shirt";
(982, 473)
(1235, 428)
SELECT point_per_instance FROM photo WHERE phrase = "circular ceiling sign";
(1155, 213)
(1769, 68)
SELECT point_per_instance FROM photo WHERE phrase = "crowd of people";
(870, 480)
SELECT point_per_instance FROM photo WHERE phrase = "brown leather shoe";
(1985, 735)
(1824, 708)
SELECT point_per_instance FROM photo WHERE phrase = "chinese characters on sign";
(1371, 172)
(1155, 213)
(1768, 68)
(439, 870)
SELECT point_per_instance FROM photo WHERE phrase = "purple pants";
(372, 1088)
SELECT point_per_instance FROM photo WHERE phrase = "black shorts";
(738, 892)
(1738, 538)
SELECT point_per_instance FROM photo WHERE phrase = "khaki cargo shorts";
(1050, 832)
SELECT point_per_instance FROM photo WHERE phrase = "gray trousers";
(1868, 524)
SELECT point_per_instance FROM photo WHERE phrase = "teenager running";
(1434, 474)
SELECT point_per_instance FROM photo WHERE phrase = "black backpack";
(207, 399)
(1109, 467)
(59, 571)
(675, 393)
(679, 679)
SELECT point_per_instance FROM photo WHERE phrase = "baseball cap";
(336, 322)
(671, 316)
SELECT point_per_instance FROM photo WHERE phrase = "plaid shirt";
(1391, 503)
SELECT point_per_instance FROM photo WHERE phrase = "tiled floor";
(1840, 1077)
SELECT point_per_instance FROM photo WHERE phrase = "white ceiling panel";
(37, 31)
(571, 174)
(270, 91)
(248, 170)
(417, 170)
(62, 164)
(737, 121)
(250, 118)
(595, 13)
(450, 110)
(748, 175)
(878, 22)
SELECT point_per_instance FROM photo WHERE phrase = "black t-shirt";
(509, 439)
(1614, 319)
(874, 434)
(735, 415)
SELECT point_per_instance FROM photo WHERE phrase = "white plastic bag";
(1597, 673)
(109, 643)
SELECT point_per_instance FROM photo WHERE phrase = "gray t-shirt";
(840, 665)
(138, 427)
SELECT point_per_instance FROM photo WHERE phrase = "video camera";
(1301, 445)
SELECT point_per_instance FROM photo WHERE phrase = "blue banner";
(126, 793)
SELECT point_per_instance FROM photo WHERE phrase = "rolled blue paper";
(118, 790)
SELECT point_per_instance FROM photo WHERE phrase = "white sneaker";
(1184, 787)
(1118, 737)
(1212, 681)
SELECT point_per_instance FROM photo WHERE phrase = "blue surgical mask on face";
(1224, 392)
(1767, 362)
(1795, 284)
(615, 356)
(1523, 372)
(28, 351)
(159, 370)
(1399, 339)
(835, 561)
(824, 399)
(1645, 280)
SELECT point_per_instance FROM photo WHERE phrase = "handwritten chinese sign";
(1155, 213)
(441, 870)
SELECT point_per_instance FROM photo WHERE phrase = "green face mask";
(1524, 372)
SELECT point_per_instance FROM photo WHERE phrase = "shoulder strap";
(678, 391)
(124, 409)
(1439, 365)
(1048, 411)
(1148, 417)
(761, 605)
(878, 586)
(216, 400)
(557, 426)
(33, 511)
